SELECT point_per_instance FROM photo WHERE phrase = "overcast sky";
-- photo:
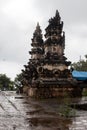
(18, 19)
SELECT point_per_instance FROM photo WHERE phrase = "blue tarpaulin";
(79, 75)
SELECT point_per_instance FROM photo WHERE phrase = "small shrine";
(47, 75)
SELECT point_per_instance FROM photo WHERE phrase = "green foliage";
(80, 65)
(66, 110)
(84, 93)
(6, 83)
(18, 80)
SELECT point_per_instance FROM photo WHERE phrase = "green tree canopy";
(18, 80)
(80, 65)
(6, 83)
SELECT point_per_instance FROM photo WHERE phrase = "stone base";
(54, 88)
(54, 92)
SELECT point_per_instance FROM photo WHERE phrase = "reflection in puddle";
(18, 112)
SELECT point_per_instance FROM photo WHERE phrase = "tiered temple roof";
(37, 45)
(55, 41)
(47, 57)
(30, 72)
(47, 74)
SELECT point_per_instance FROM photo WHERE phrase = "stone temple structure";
(47, 74)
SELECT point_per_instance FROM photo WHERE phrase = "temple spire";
(57, 14)
(38, 26)
(38, 31)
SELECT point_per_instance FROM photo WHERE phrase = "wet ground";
(18, 112)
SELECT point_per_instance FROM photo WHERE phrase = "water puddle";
(18, 112)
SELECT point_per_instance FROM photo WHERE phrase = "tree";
(80, 65)
(18, 80)
(6, 83)
(86, 57)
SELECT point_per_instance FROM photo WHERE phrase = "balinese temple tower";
(54, 62)
(30, 72)
(47, 74)
(37, 46)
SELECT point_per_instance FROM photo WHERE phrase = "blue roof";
(79, 75)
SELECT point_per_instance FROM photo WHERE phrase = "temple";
(47, 74)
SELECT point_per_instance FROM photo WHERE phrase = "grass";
(84, 93)
(66, 110)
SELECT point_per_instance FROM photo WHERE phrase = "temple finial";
(57, 13)
(38, 26)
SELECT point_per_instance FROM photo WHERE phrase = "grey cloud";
(13, 46)
(15, 40)
(70, 10)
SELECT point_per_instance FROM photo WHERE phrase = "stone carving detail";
(48, 67)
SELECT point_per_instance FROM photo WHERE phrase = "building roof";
(79, 75)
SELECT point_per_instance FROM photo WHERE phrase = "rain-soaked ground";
(18, 112)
